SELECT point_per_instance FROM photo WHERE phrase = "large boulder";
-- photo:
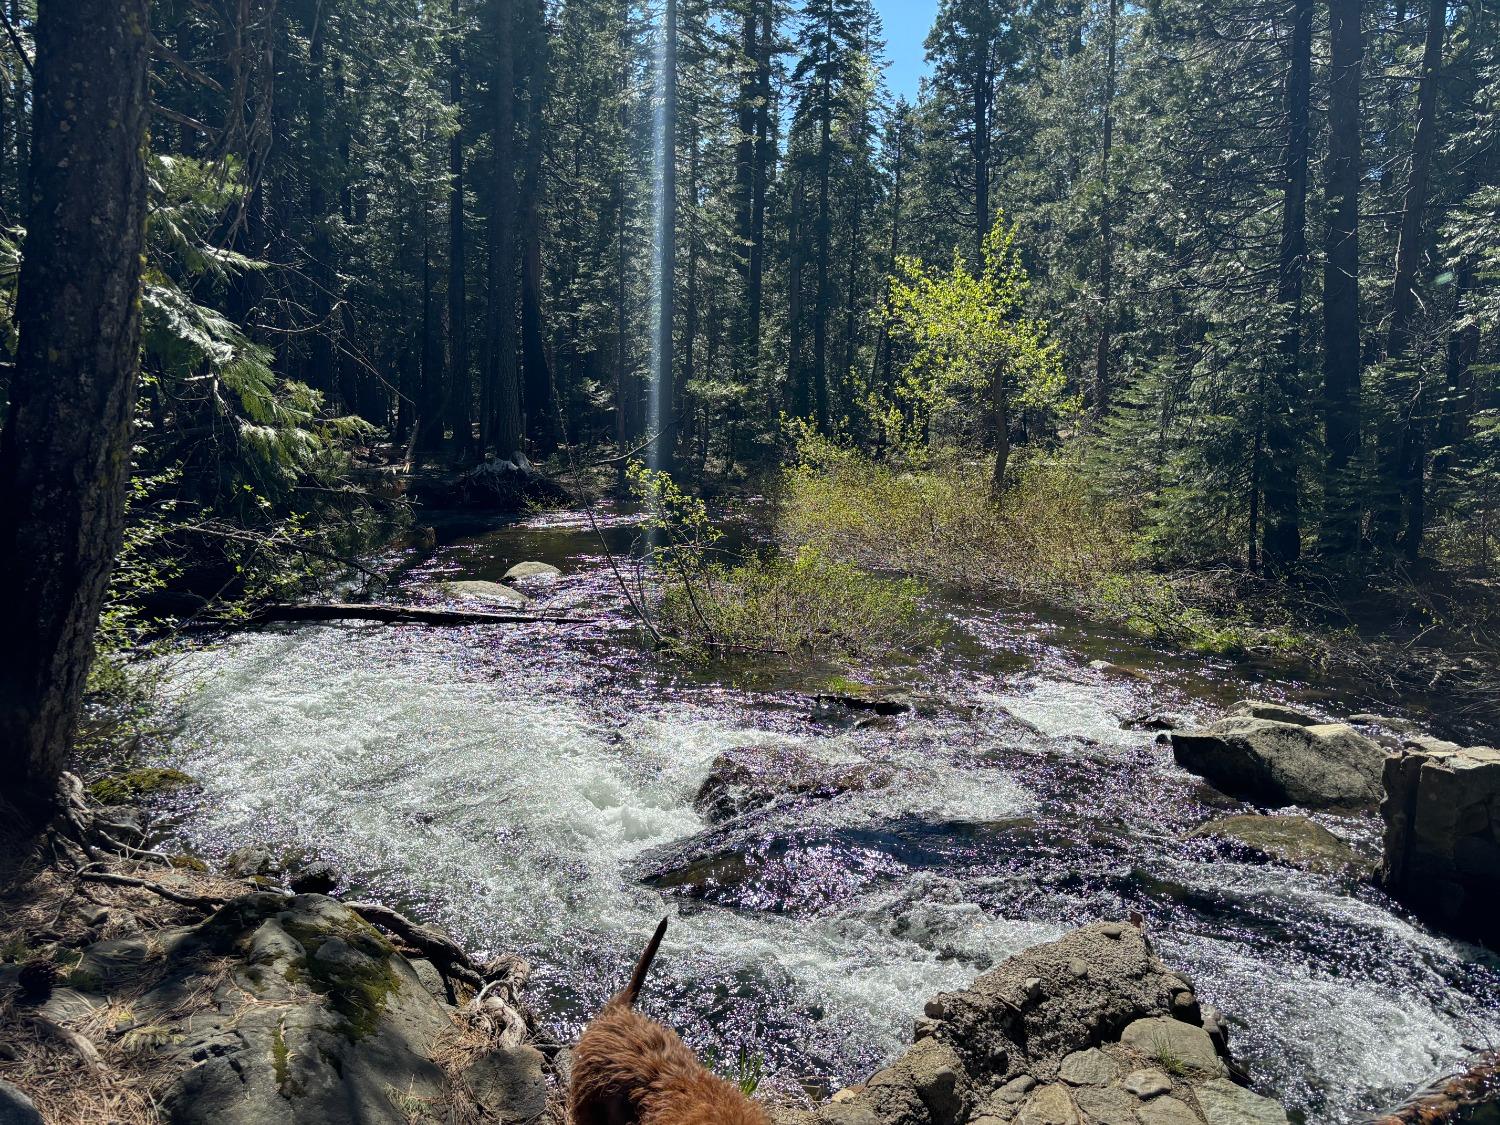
(538, 572)
(1325, 765)
(750, 777)
(1081, 1030)
(1442, 835)
(16, 1108)
(1294, 840)
(319, 1020)
(293, 1008)
(491, 593)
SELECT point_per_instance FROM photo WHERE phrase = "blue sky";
(906, 25)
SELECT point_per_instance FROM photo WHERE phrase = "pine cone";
(37, 980)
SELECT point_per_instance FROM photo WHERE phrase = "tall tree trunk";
(1339, 533)
(1283, 521)
(1404, 451)
(744, 162)
(882, 368)
(23, 113)
(65, 450)
(1000, 422)
(541, 421)
(691, 312)
(798, 393)
(664, 442)
(852, 296)
(1104, 342)
(625, 389)
(760, 181)
(457, 401)
(322, 272)
(822, 298)
(984, 96)
(502, 422)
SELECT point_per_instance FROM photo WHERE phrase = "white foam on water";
(476, 779)
(514, 813)
(1073, 708)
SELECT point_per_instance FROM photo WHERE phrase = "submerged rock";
(1295, 840)
(874, 701)
(1388, 722)
(1325, 765)
(751, 777)
(1151, 720)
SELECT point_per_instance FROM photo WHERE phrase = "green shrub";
(1047, 537)
(805, 603)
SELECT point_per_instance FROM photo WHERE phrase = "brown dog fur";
(629, 1070)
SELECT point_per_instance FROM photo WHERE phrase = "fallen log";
(403, 615)
(1452, 1098)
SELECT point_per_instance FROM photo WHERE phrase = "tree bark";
(759, 183)
(798, 394)
(502, 421)
(1404, 451)
(1104, 341)
(537, 370)
(1339, 533)
(664, 440)
(1000, 419)
(822, 298)
(984, 96)
(65, 451)
(1283, 522)
(457, 399)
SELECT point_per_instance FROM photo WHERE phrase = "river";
(531, 788)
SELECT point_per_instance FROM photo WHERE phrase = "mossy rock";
(320, 1018)
(123, 788)
(350, 965)
(1293, 840)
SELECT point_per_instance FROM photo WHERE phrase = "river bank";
(533, 789)
(144, 988)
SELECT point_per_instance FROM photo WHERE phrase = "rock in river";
(749, 777)
(1289, 839)
(492, 592)
(1277, 712)
(1044, 1040)
(1324, 765)
(532, 571)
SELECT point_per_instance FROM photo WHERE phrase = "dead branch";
(403, 615)
(207, 903)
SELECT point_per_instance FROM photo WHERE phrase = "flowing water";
(531, 788)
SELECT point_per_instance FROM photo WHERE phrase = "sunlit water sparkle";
(532, 789)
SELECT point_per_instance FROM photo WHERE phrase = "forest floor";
(111, 967)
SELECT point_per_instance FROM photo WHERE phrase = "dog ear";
(633, 990)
